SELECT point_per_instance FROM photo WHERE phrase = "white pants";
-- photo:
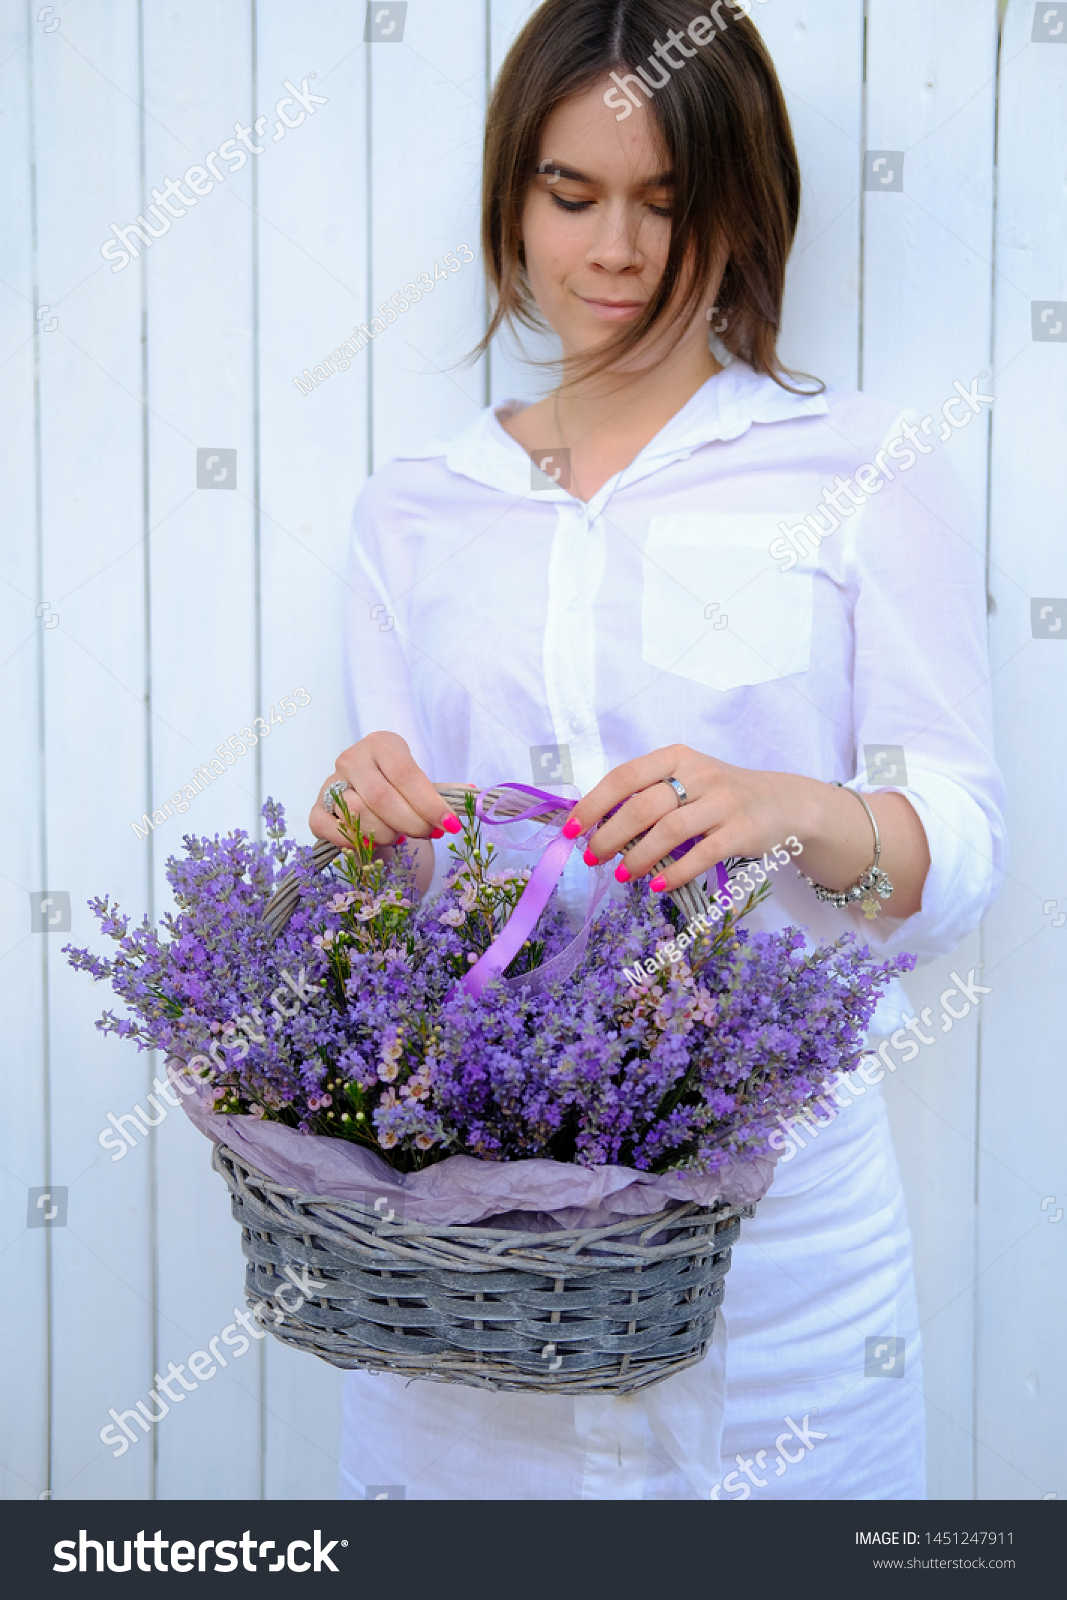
(823, 1386)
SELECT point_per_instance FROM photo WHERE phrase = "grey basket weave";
(575, 1311)
(570, 1311)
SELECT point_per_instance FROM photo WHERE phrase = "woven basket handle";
(691, 899)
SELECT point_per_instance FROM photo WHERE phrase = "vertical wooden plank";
(427, 106)
(313, 257)
(817, 49)
(1022, 1293)
(931, 91)
(927, 272)
(198, 89)
(24, 1318)
(94, 751)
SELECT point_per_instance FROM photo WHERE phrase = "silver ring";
(332, 795)
(678, 789)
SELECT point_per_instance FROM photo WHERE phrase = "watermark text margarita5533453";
(744, 880)
(341, 359)
(238, 744)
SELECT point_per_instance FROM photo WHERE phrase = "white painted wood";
(85, 82)
(200, 343)
(1022, 1251)
(427, 109)
(24, 1329)
(931, 79)
(817, 48)
(312, 232)
(928, 250)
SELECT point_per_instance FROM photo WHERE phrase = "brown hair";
(723, 124)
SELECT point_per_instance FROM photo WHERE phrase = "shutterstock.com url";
(945, 1552)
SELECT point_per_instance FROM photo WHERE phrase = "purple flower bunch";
(353, 1022)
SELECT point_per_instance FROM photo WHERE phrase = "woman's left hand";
(740, 813)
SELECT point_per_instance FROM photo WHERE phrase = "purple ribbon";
(534, 898)
(545, 802)
(546, 874)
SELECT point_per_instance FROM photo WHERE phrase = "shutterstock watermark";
(173, 201)
(703, 31)
(188, 1555)
(804, 538)
(739, 1484)
(122, 1132)
(844, 1087)
(204, 1364)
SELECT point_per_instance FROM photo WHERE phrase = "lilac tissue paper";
(538, 1195)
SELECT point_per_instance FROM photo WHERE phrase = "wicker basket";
(605, 1310)
(594, 1310)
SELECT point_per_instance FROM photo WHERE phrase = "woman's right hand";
(387, 791)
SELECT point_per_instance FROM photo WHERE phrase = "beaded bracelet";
(870, 884)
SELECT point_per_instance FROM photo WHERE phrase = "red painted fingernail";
(572, 828)
(401, 838)
(621, 874)
(590, 859)
(658, 884)
(451, 822)
(438, 833)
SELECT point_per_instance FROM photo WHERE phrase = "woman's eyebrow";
(555, 169)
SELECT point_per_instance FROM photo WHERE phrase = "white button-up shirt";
(494, 615)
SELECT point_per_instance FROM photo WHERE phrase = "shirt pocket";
(716, 607)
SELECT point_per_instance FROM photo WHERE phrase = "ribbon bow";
(546, 874)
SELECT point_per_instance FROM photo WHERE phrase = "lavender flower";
(352, 1022)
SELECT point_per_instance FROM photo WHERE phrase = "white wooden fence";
(147, 620)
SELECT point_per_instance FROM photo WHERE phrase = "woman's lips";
(613, 310)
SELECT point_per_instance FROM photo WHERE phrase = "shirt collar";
(723, 408)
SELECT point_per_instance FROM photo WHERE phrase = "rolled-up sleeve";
(916, 564)
(378, 677)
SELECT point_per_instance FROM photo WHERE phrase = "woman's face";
(596, 223)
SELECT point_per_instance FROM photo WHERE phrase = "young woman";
(674, 601)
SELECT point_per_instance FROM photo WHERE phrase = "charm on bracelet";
(871, 887)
